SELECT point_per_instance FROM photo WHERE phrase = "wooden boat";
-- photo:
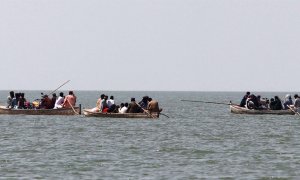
(61, 111)
(242, 110)
(90, 113)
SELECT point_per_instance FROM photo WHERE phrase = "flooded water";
(198, 141)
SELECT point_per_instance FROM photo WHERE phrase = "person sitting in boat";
(59, 101)
(272, 104)
(133, 107)
(277, 103)
(288, 101)
(53, 100)
(111, 101)
(153, 106)
(70, 100)
(46, 102)
(297, 101)
(120, 107)
(103, 104)
(10, 100)
(244, 99)
(124, 108)
(252, 102)
(144, 102)
(22, 100)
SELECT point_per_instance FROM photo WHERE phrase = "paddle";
(72, 108)
(210, 102)
(145, 111)
(293, 110)
(164, 115)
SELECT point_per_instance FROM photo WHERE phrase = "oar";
(164, 115)
(293, 110)
(145, 111)
(210, 102)
(59, 87)
(72, 107)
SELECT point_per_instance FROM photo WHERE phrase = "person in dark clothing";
(144, 102)
(252, 102)
(272, 104)
(21, 102)
(133, 107)
(278, 104)
(53, 100)
(243, 101)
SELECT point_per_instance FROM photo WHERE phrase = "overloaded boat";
(242, 110)
(90, 113)
(60, 111)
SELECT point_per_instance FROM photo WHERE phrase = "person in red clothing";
(70, 100)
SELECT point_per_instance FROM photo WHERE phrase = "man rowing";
(70, 100)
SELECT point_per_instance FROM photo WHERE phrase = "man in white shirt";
(111, 101)
(59, 101)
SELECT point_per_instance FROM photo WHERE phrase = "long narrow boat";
(61, 111)
(241, 110)
(90, 113)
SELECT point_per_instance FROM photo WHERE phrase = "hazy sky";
(193, 45)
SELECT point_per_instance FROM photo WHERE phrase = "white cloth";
(123, 110)
(110, 102)
(59, 102)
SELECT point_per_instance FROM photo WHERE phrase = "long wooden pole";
(210, 102)
(59, 87)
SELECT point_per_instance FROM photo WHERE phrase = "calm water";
(197, 141)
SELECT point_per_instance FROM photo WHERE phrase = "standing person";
(10, 99)
(70, 100)
(133, 107)
(153, 106)
(59, 101)
(243, 101)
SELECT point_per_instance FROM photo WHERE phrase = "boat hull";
(61, 111)
(241, 110)
(89, 113)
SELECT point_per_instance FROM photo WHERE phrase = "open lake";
(198, 141)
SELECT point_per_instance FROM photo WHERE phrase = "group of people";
(251, 101)
(147, 105)
(18, 101)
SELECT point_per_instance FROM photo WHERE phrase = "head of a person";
(54, 95)
(12, 94)
(272, 100)
(132, 99)
(17, 95)
(296, 96)
(276, 97)
(122, 105)
(126, 104)
(61, 94)
(288, 96)
(248, 93)
(258, 96)
(102, 96)
(145, 98)
(149, 99)
(111, 97)
(22, 95)
(71, 93)
(105, 97)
